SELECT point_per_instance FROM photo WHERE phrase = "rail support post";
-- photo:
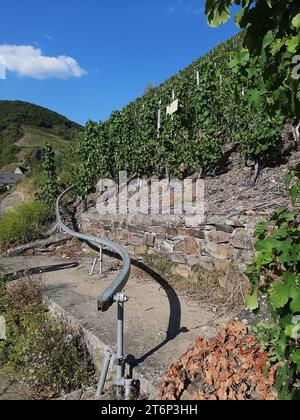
(117, 358)
(119, 361)
(104, 371)
(100, 259)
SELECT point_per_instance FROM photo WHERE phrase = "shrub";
(23, 224)
(41, 352)
(19, 301)
(45, 357)
(50, 187)
(276, 272)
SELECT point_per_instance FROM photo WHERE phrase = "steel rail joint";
(106, 300)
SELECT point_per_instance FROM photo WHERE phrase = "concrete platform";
(160, 324)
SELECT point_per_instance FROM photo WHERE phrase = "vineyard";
(230, 281)
(214, 113)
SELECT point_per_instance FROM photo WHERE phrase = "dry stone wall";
(212, 246)
(233, 207)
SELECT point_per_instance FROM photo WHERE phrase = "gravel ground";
(11, 390)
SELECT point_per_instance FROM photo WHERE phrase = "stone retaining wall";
(211, 246)
(234, 204)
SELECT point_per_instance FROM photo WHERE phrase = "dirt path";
(160, 324)
(9, 202)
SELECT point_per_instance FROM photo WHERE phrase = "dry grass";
(25, 292)
(223, 291)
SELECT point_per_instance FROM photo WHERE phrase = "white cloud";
(28, 61)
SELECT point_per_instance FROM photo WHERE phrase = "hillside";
(25, 128)
(195, 122)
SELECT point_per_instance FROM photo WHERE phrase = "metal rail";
(111, 295)
(107, 298)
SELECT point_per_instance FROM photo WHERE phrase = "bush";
(41, 352)
(276, 272)
(21, 300)
(46, 358)
(23, 224)
(50, 189)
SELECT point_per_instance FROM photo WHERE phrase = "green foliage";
(260, 137)
(276, 271)
(23, 224)
(46, 358)
(159, 265)
(50, 188)
(24, 113)
(37, 125)
(90, 156)
(43, 353)
(210, 115)
(8, 150)
(271, 41)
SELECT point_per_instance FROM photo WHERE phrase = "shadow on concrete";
(174, 326)
(38, 270)
(54, 290)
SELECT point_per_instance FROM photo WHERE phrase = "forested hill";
(25, 128)
(24, 113)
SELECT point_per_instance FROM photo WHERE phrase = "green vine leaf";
(295, 304)
(252, 300)
(279, 295)
(217, 12)
(293, 330)
(293, 44)
(296, 21)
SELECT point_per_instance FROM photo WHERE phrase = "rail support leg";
(104, 371)
(119, 361)
(100, 259)
(123, 385)
(93, 266)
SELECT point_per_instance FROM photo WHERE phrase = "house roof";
(9, 179)
(10, 169)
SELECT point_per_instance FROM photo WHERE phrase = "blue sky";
(84, 59)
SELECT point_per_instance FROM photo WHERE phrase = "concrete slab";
(160, 323)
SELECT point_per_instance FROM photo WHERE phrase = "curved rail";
(107, 298)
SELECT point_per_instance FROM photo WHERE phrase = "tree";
(50, 189)
(271, 44)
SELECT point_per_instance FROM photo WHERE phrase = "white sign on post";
(171, 109)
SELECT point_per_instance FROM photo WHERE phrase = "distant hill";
(25, 128)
